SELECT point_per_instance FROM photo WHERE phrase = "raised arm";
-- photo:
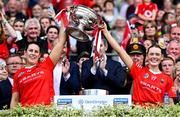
(9, 28)
(119, 49)
(57, 50)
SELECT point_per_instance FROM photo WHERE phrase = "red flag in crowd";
(126, 35)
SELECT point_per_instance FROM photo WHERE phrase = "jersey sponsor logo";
(32, 77)
(146, 75)
(150, 87)
(148, 13)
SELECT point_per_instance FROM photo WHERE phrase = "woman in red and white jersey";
(150, 83)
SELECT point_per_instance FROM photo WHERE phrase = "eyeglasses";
(14, 63)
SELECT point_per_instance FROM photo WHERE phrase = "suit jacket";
(5, 93)
(113, 82)
(72, 85)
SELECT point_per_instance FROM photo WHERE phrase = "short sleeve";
(47, 64)
(135, 70)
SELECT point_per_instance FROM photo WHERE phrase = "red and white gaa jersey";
(150, 87)
(146, 10)
(35, 84)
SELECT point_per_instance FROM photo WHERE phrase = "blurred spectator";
(12, 11)
(19, 25)
(168, 6)
(32, 32)
(173, 49)
(175, 33)
(3, 70)
(52, 36)
(137, 52)
(118, 32)
(109, 14)
(124, 6)
(37, 11)
(147, 11)
(118, 28)
(177, 11)
(5, 91)
(167, 65)
(131, 9)
(6, 41)
(61, 4)
(169, 18)
(159, 17)
(176, 75)
(100, 3)
(45, 22)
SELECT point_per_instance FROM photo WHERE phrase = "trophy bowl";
(81, 19)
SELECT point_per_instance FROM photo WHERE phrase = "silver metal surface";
(94, 92)
(82, 19)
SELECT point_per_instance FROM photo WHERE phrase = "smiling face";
(150, 30)
(32, 31)
(154, 56)
(32, 54)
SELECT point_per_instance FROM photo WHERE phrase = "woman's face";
(154, 56)
(32, 54)
(167, 4)
(171, 19)
(167, 66)
(150, 30)
(19, 26)
(36, 11)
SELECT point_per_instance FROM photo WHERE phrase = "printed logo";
(146, 75)
(153, 78)
(120, 101)
(135, 47)
(64, 101)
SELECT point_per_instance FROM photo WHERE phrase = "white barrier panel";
(91, 101)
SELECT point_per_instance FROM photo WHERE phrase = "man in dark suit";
(5, 89)
(14, 63)
(103, 73)
(66, 77)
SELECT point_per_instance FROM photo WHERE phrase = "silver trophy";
(81, 19)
